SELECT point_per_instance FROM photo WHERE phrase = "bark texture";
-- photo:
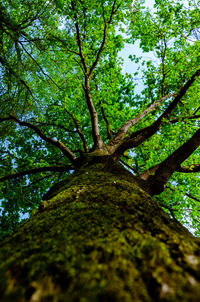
(100, 237)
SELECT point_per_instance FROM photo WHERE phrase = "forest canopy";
(64, 94)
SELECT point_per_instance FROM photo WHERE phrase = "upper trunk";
(100, 237)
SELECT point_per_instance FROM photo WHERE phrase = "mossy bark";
(99, 237)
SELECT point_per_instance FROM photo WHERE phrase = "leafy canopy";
(64, 94)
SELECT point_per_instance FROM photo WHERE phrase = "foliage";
(59, 67)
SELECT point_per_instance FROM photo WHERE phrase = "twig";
(44, 73)
(128, 166)
(192, 197)
(65, 150)
(109, 132)
(37, 170)
(170, 209)
(78, 129)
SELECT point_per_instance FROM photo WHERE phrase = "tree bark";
(99, 237)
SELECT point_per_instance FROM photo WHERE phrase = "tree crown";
(65, 98)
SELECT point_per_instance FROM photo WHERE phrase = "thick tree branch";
(37, 170)
(155, 184)
(137, 138)
(65, 150)
(98, 143)
(151, 171)
(183, 169)
(124, 129)
(178, 97)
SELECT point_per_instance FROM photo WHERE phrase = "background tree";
(67, 106)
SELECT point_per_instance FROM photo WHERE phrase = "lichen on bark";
(99, 237)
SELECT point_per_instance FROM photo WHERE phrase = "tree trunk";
(99, 237)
